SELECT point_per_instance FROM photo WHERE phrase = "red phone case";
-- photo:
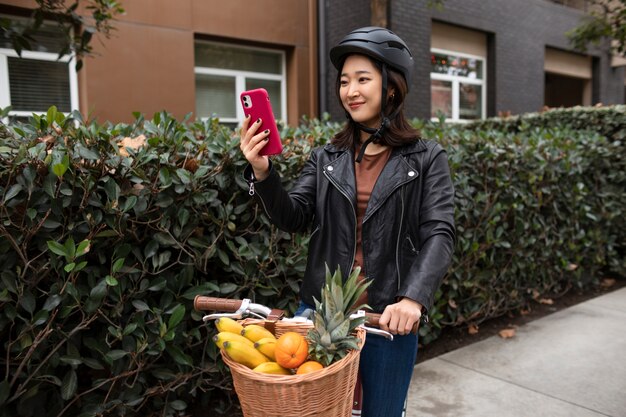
(256, 103)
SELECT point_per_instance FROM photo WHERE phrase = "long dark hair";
(399, 132)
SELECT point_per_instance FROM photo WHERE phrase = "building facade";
(184, 56)
(473, 59)
(481, 58)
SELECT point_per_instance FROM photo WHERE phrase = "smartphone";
(256, 103)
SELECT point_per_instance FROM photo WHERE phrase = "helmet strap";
(383, 101)
(378, 133)
(385, 122)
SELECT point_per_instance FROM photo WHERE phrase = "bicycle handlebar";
(202, 303)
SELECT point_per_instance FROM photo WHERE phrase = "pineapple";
(332, 338)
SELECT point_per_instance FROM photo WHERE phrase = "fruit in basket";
(332, 336)
(291, 350)
(221, 337)
(272, 368)
(266, 346)
(244, 354)
(226, 324)
(254, 332)
(308, 367)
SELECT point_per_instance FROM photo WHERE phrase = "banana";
(266, 346)
(255, 332)
(221, 337)
(272, 368)
(226, 324)
(244, 354)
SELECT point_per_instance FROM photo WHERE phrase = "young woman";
(379, 197)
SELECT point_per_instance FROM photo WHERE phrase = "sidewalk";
(569, 364)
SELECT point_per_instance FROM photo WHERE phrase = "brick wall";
(518, 31)
(342, 16)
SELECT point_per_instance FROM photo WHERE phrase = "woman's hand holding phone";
(251, 145)
(259, 133)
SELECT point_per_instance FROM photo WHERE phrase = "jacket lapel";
(340, 172)
(396, 173)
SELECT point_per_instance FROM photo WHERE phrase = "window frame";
(241, 76)
(5, 87)
(456, 80)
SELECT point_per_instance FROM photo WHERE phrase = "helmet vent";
(396, 45)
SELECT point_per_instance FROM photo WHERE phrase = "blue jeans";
(386, 368)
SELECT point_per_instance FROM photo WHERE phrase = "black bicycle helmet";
(379, 43)
(385, 47)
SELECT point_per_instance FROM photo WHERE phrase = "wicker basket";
(324, 393)
(280, 327)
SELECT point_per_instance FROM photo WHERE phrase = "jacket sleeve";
(289, 211)
(436, 233)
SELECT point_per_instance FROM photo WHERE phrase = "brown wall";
(30, 4)
(290, 24)
(143, 68)
(148, 63)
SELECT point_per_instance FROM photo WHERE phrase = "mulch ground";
(454, 338)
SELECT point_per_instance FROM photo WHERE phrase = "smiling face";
(360, 89)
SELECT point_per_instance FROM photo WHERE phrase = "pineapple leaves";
(354, 289)
(350, 344)
(333, 334)
(336, 320)
(337, 298)
(319, 323)
(341, 330)
(354, 323)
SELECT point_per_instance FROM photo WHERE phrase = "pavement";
(571, 363)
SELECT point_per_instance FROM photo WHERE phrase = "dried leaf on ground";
(607, 282)
(472, 329)
(548, 301)
(507, 333)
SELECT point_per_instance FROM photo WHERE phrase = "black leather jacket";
(408, 228)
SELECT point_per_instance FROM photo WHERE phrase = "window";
(457, 86)
(39, 79)
(224, 71)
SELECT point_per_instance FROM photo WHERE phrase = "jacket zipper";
(413, 248)
(252, 192)
(398, 239)
(354, 213)
(424, 317)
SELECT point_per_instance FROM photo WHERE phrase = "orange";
(309, 366)
(291, 350)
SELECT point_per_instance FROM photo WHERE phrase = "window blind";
(36, 84)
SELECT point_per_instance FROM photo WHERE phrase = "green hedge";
(540, 208)
(101, 254)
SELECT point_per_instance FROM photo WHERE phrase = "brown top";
(366, 173)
